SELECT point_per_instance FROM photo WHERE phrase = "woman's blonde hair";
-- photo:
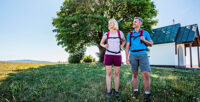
(116, 27)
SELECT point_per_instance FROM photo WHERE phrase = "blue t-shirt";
(136, 43)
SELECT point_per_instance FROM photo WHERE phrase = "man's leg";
(134, 69)
(145, 68)
(146, 81)
(135, 84)
(135, 80)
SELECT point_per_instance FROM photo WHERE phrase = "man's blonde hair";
(116, 27)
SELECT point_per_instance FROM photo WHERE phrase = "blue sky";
(26, 29)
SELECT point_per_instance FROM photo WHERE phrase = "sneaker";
(108, 94)
(135, 94)
(117, 94)
(147, 97)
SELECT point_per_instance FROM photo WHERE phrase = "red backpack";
(131, 35)
(141, 34)
(108, 33)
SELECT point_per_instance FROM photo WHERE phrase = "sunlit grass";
(154, 75)
(86, 82)
(7, 68)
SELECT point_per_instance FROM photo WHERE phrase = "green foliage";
(88, 59)
(81, 23)
(75, 57)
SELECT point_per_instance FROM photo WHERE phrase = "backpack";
(108, 33)
(141, 34)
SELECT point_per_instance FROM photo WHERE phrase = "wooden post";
(198, 55)
(178, 55)
(185, 50)
(190, 55)
(198, 44)
(175, 48)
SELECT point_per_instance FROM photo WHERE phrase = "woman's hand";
(121, 47)
(105, 46)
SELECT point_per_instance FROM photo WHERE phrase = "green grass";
(86, 82)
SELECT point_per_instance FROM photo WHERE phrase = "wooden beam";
(184, 43)
(190, 56)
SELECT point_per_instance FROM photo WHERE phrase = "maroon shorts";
(112, 59)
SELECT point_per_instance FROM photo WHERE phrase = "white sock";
(135, 89)
(146, 92)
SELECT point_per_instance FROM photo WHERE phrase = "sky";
(26, 27)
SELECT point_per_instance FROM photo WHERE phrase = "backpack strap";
(107, 36)
(118, 32)
(131, 34)
(139, 50)
(141, 34)
(113, 51)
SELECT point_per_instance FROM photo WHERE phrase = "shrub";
(88, 59)
(75, 58)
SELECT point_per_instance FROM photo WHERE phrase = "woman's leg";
(116, 77)
(108, 77)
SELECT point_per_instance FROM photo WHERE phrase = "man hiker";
(136, 55)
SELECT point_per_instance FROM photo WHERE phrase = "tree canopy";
(82, 23)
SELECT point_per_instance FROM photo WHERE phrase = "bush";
(88, 59)
(75, 58)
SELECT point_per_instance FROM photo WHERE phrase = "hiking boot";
(117, 94)
(135, 94)
(147, 97)
(108, 94)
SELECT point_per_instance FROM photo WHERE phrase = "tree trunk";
(101, 53)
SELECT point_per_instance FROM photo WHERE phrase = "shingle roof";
(187, 33)
(174, 33)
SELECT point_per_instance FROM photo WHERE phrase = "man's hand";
(148, 43)
(142, 38)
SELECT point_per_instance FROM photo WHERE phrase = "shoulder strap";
(118, 32)
(107, 36)
(131, 34)
(141, 32)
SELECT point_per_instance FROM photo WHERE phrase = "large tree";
(81, 23)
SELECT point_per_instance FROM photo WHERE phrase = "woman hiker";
(113, 54)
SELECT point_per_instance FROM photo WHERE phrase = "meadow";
(60, 82)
